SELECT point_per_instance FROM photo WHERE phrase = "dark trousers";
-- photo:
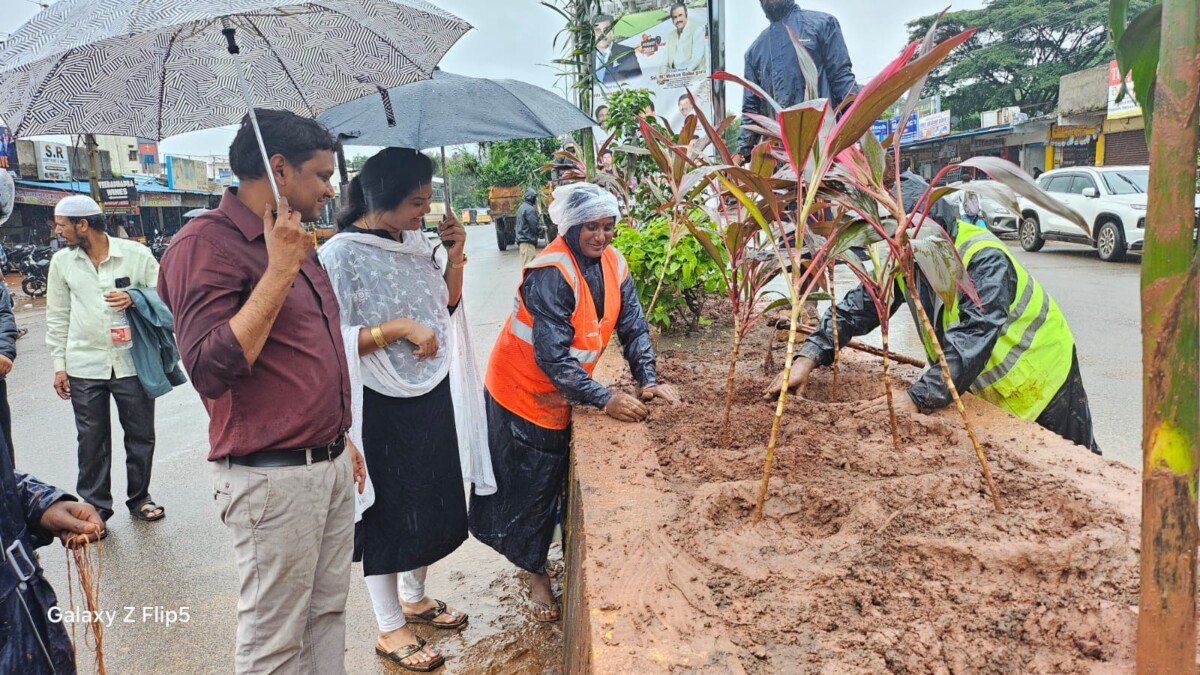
(1068, 413)
(90, 399)
(6, 420)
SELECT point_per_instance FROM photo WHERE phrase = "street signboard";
(118, 195)
(881, 128)
(1127, 106)
(53, 161)
(935, 125)
(911, 131)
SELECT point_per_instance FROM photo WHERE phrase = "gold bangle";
(459, 266)
(377, 334)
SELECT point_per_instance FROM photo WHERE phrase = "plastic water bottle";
(122, 334)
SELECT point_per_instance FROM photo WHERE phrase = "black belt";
(277, 458)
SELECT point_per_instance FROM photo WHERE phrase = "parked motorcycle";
(35, 267)
(159, 246)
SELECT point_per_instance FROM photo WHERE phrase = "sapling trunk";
(662, 274)
(733, 357)
(962, 411)
(887, 385)
(837, 349)
(783, 391)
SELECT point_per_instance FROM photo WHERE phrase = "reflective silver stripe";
(994, 375)
(1022, 305)
(568, 264)
(521, 330)
(962, 248)
(524, 333)
(622, 266)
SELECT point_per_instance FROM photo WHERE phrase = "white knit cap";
(77, 206)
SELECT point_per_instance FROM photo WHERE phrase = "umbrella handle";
(230, 34)
(446, 195)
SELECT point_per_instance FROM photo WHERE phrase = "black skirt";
(420, 513)
(530, 463)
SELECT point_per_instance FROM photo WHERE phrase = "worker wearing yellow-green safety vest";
(1013, 348)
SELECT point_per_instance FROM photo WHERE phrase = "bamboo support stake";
(962, 411)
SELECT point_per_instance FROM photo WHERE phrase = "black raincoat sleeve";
(751, 103)
(35, 497)
(634, 334)
(551, 302)
(969, 342)
(8, 326)
(856, 316)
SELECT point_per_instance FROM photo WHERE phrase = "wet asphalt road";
(186, 560)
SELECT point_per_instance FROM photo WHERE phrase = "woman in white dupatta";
(408, 341)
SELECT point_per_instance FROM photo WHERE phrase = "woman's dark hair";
(284, 133)
(386, 180)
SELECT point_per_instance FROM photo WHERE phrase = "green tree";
(1021, 50)
(464, 171)
(355, 163)
(519, 162)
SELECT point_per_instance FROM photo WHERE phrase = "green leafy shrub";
(691, 277)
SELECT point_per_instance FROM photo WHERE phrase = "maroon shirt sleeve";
(204, 290)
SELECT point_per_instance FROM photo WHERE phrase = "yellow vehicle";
(476, 216)
(437, 207)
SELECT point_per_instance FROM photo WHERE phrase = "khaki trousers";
(527, 252)
(293, 537)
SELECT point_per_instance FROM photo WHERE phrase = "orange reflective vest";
(513, 377)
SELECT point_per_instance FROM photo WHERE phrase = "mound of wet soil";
(867, 559)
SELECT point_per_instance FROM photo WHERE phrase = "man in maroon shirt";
(258, 331)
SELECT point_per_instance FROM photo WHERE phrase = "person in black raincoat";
(31, 515)
(530, 460)
(772, 65)
(967, 343)
(529, 227)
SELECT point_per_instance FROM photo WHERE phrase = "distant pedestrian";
(529, 227)
(86, 299)
(260, 335)
(771, 64)
(408, 348)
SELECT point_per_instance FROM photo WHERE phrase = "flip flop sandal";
(427, 617)
(149, 507)
(534, 607)
(407, 651)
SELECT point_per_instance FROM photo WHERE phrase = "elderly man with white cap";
(93, 358)
(572, 298)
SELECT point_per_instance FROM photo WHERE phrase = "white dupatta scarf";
(344, 260)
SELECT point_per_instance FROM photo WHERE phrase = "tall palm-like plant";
(1160, 48)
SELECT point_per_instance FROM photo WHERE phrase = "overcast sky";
(512, 39)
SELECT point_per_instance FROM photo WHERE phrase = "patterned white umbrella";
(156, 68)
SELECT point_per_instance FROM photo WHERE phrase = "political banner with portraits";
(663, 46)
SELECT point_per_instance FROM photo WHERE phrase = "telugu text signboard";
(935, 125)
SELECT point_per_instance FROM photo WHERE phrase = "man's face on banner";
(604, 36)
(679, 17)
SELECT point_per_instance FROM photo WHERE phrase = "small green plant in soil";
(687, 280)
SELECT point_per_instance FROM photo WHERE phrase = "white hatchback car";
(1112, 199)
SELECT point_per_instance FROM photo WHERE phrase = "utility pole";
(89, 141)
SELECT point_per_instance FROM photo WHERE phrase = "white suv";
(1112, 199)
